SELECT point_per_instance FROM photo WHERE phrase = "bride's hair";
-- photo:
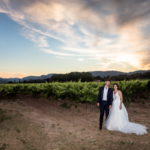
(116, 85)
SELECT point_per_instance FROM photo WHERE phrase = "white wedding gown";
(118, 119)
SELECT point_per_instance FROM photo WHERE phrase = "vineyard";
(64, 116)
(77, 91)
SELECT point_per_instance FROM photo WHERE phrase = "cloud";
(56, 53)
(35, 37)
(88, 29)
(144, 57)
(125, 11)
(130, 11)
(80, 59)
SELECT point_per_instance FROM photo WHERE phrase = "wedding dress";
(118, 119)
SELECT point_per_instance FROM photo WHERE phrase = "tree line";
(87, 77)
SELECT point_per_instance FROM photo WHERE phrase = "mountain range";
(94, 74)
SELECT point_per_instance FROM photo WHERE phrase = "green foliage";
(77, 91)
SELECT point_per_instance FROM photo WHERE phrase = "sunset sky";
(60, 36)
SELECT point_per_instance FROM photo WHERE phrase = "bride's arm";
(121, 99)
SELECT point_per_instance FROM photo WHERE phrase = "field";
(41, 124)
(77, 91)
(53, 116)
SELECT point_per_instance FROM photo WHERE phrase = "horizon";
(71, 72)
(60, 36)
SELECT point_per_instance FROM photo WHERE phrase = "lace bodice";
(116, 96)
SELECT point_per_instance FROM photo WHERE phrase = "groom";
(104, 101)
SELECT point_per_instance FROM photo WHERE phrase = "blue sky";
(60, 36)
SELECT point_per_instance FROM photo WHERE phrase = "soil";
(48, 124)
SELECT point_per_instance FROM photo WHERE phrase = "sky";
(60, 36)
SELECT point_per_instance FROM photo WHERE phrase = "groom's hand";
(98, 104)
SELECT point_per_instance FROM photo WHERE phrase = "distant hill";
(106, 73)
(94, 74)
(115, 73)
(5, 80)
(37, 77)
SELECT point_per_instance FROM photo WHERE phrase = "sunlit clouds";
(113, 33)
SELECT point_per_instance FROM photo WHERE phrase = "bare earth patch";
(41, 124)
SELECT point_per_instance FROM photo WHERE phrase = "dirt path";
(41, 124)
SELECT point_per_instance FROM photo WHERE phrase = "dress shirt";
(105, 93)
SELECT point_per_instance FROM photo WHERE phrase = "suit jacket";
(109, 95)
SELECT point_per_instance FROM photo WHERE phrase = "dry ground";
(41, 124)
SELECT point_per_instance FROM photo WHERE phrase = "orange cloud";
(144, 59)
(12, 75)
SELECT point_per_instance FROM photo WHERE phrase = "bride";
(118, 116)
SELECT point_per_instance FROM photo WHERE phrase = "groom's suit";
(105, 98)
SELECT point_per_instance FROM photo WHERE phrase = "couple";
(110, 102)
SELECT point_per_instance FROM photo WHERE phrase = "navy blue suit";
(104, 105)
